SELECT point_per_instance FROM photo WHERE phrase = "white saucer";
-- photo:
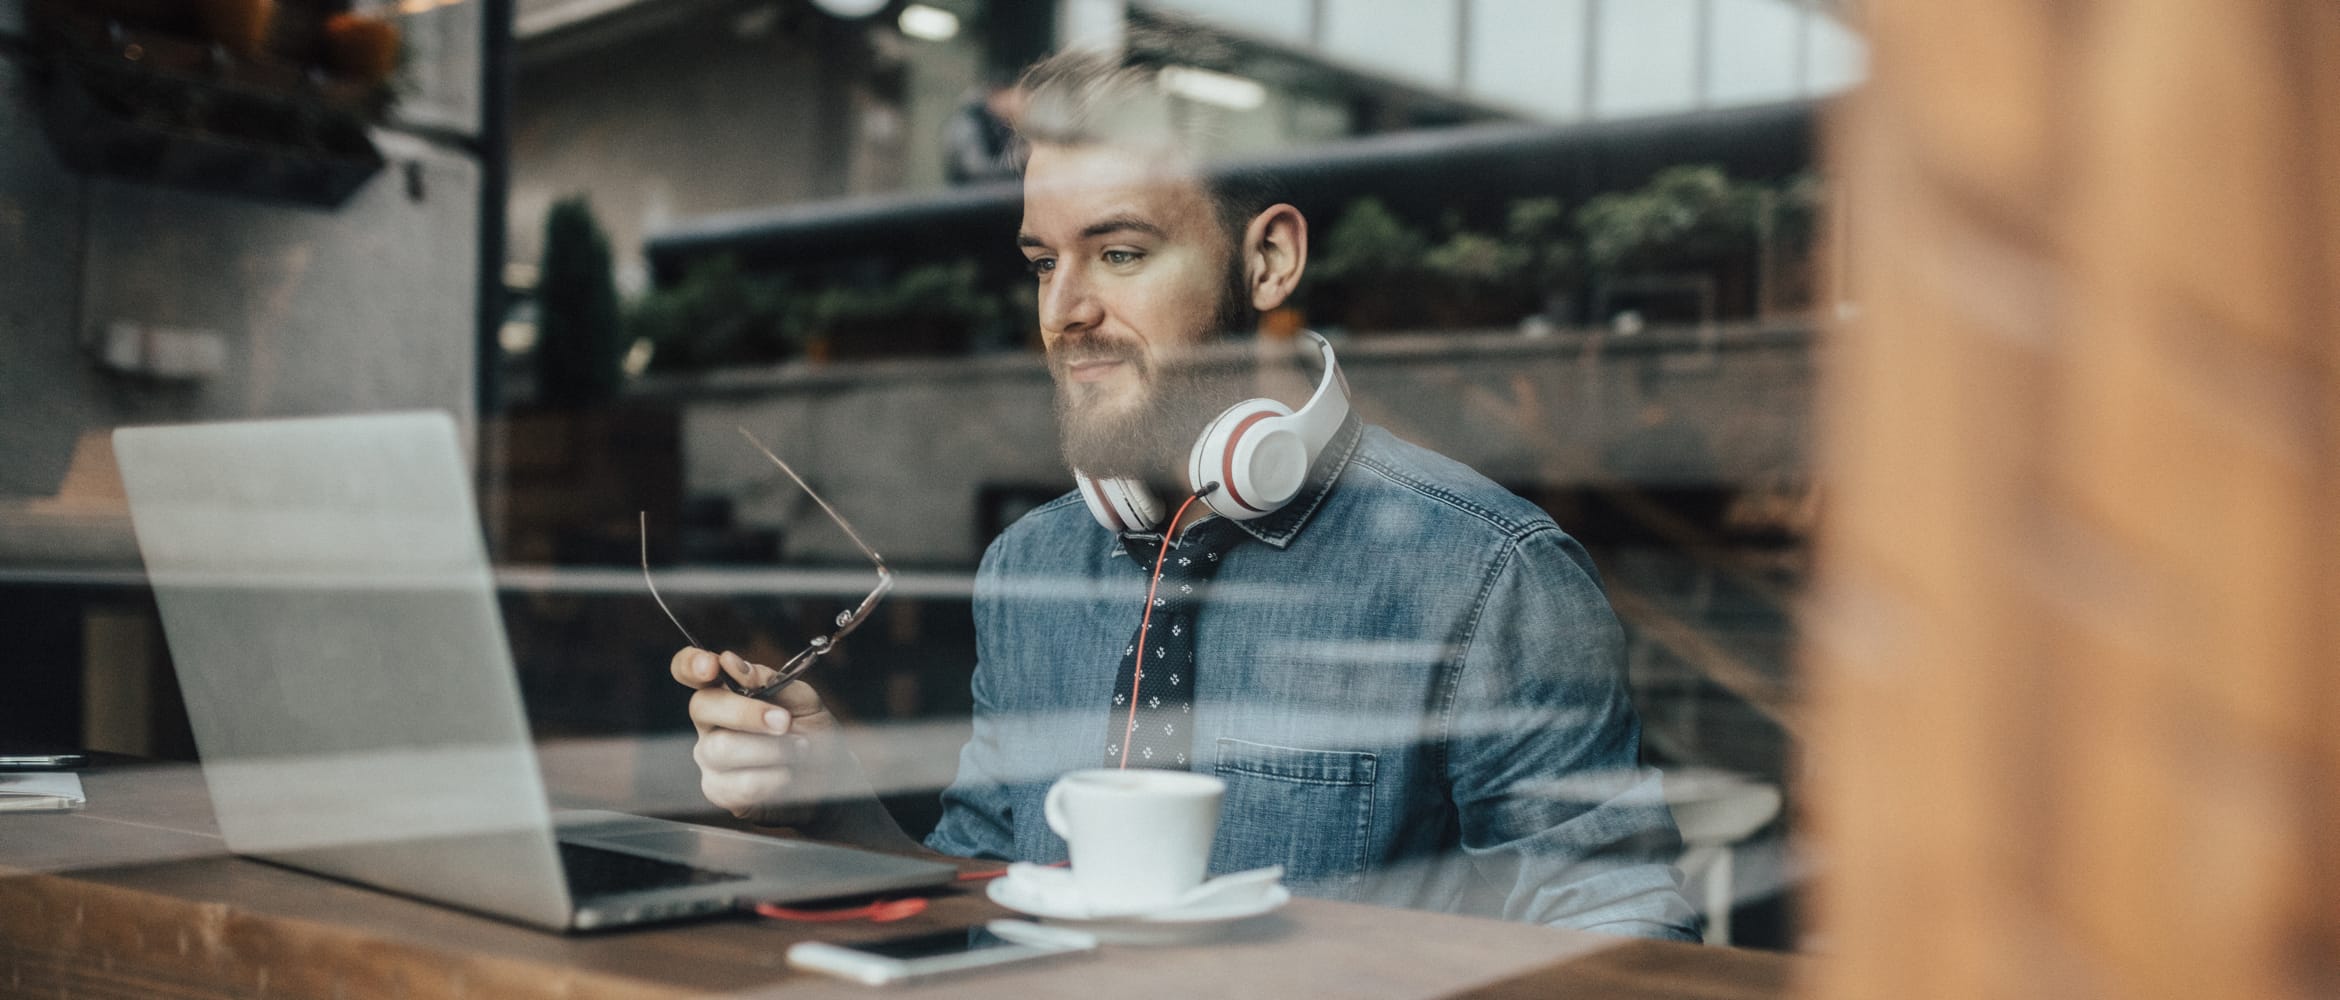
(1176, 926)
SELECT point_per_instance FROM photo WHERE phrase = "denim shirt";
(1409, 678)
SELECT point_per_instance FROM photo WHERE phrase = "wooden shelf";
(152, 106)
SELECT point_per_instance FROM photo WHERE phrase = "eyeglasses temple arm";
(815, 494)
(653, 585)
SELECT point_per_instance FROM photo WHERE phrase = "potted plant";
(719, 315)
(1690, 225)
(1372, 260)
(934, 310)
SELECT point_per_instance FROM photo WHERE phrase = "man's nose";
(1068, 302)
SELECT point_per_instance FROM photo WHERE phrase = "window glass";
(1539, 566)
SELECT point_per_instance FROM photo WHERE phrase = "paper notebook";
(41, 791)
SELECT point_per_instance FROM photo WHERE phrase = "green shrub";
(1684, 216)
(581, 344)
(1369, 241)
(719, 315)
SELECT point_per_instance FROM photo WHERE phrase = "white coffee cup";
(1140, 838)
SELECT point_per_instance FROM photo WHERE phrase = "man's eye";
(1040, 266)
(1122, 258)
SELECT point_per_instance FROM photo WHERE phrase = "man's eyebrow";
(1102, 227)
(1122, 224)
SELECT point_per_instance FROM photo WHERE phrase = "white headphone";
(1258, 453)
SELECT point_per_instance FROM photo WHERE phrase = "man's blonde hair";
(1088, 97)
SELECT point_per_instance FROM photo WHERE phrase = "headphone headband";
(1320, 418)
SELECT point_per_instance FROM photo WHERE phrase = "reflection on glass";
(1614, 323)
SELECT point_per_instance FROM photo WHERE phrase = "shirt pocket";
(1310, 811)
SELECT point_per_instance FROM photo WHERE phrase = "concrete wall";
(905, 449)
(683, 118)
(366, 307)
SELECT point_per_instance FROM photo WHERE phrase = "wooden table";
(135, 897)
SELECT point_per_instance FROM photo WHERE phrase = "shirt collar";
(1279, 528)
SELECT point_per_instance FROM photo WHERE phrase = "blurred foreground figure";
(1410, 679)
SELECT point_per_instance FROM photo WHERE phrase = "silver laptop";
(329, 605)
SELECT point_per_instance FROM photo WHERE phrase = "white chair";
(1716, 811)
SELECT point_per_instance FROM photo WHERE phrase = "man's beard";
(1153, 437)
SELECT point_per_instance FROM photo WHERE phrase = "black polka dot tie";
(1153, 692)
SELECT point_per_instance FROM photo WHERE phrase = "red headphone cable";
(1147, 622)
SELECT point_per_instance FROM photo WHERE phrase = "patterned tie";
(1156, 734)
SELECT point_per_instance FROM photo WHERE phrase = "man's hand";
(761, 760)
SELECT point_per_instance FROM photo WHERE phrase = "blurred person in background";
(1410, 678)
(979, 139)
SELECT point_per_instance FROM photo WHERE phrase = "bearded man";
(1409, 678)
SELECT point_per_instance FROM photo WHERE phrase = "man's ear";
(1275, 252)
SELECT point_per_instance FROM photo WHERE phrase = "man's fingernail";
(776, 719)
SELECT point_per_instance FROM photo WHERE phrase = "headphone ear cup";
(1226, 454)
(1136, 502)
(1119, 504)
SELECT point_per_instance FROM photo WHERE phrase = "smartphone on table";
(924, 956)
(38, 757)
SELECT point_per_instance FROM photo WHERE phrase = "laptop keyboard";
(595, 871)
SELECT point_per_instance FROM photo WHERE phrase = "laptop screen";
(329, 606)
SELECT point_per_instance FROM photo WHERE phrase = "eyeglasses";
(820, 646)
